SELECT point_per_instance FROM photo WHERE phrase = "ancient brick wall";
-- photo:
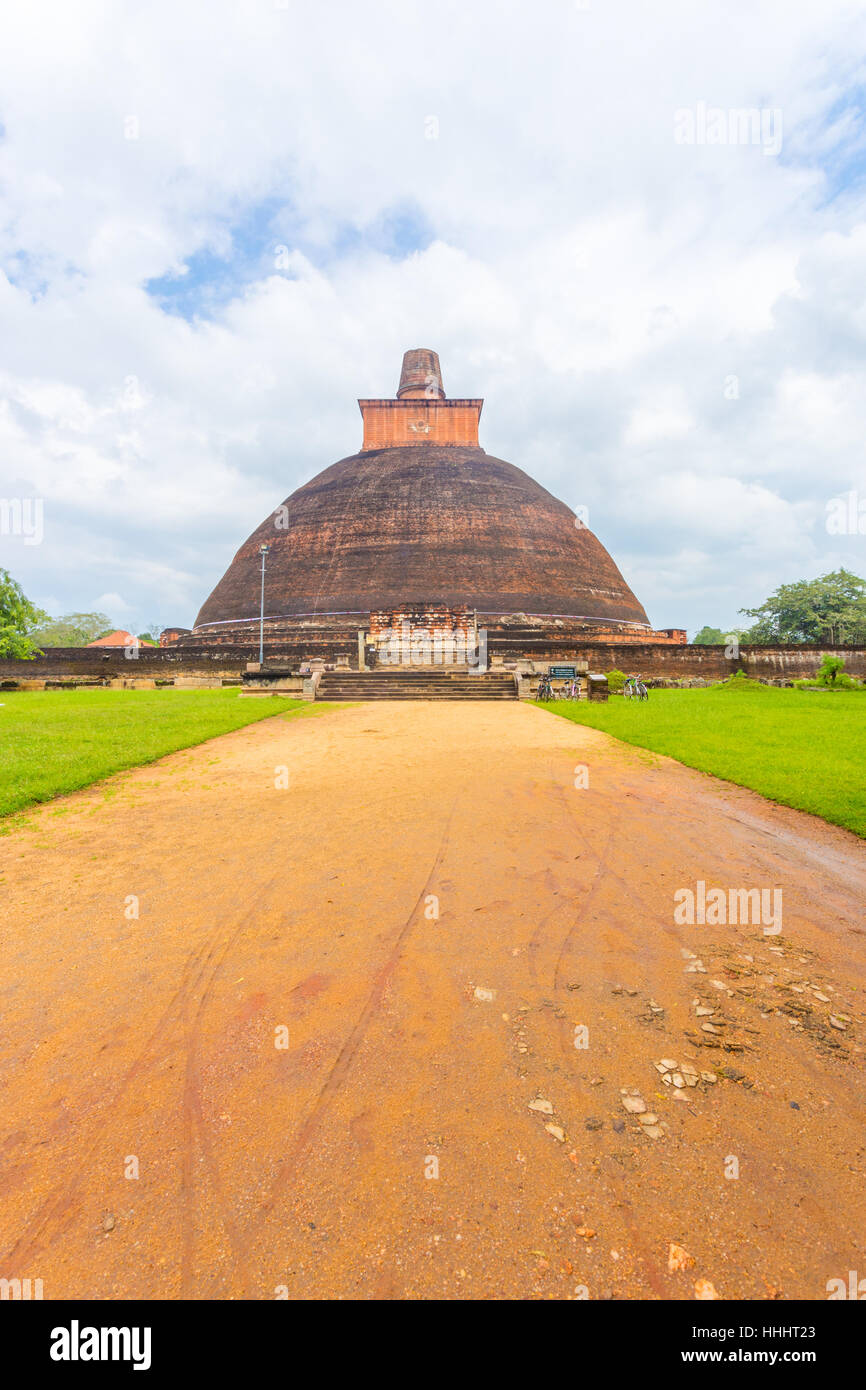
(676, 636)
(677, 661)
(431, 617)
(671, 661)
(109, 663)
(571, 630)
(424, 634)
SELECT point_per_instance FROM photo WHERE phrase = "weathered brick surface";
(424, 632)
(427, 617)
(663, 660)
(413, 421)
(674, 661)
(426, 523)
(108, 663)
(421, 515)
(421, 375)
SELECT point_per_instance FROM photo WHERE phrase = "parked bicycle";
(545, 689)
(634, 689)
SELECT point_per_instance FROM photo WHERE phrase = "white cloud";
(112, 604)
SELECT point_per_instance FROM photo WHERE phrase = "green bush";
(616, 680)
(831, 675)
(831, 670)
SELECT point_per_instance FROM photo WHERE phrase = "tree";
(718, 637)
(73, 629)
(829, 609)
(18, 619)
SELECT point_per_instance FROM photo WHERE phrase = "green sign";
(563, 671)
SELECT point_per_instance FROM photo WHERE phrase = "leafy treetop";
(73, 629)
(18, 619)
(831, 608)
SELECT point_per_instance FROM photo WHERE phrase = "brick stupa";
(421, 516)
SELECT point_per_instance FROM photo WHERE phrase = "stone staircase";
(410, 683)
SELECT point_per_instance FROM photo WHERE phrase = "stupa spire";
(421, 376)
(420, 413)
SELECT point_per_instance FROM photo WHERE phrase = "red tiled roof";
(115, 639)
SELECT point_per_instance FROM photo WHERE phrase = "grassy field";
(55, 741)
(801, 749)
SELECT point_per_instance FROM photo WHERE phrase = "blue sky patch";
(254, 245)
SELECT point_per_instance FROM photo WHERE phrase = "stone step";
(336, 696)
(398, 673)
(416, 685)
(409, 690)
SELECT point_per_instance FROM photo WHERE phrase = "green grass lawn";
(801, 749)
(54, 741)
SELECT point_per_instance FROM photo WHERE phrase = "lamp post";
(263, 550)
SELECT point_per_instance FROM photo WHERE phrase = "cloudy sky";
(223, 222)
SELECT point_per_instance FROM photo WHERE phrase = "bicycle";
(634, 689)
(545, 689)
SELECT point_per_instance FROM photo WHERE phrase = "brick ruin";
(225, 664)
(420, 634)
(421, 544)
(421, 518)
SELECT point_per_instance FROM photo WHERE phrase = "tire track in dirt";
(604, 874)
(57, 1211)
(194, 1124)
(556, 886)
(339, 1071)
(691, 841)
(641, 1249)
(631, 893)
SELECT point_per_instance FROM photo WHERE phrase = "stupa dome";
(422, 514)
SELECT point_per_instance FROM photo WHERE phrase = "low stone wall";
(107, 664)
(677, 662)
(571, 630)
(215, 665)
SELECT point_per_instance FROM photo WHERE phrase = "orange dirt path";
(303, 1169)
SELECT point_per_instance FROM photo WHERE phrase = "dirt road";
(337, 1052)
